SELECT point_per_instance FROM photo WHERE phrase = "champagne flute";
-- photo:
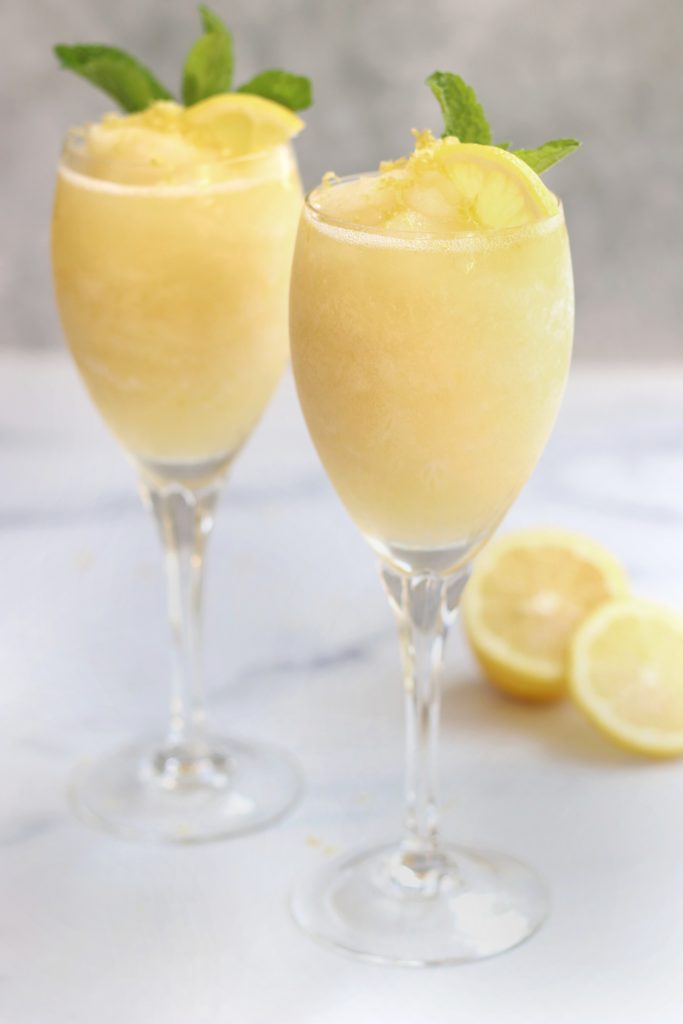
(173, 299)
(430, 362)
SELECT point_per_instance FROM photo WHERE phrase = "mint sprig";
(208, 71)
(126, 80)
(209, 64)
(464, 117)
(293, 91)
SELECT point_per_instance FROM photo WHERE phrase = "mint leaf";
(209, 64)
(464, 117)
(463, 114)
(543, 157)
(210, 20)
(293, 91)
(208, 71)
(118, 74)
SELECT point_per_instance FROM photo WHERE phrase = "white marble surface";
(301, 649)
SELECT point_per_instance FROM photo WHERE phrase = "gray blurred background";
(609, 73)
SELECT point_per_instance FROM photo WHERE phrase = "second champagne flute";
(173, 232)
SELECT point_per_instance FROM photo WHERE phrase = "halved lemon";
(239, 123)
(528, 593)
(626, 674)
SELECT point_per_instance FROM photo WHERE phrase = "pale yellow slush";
(430, 362)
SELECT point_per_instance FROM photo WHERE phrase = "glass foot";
(146, 793)
(474, 905)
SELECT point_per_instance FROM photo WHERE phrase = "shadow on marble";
(471, 705)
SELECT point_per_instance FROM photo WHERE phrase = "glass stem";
(425, 605)
(185, 518)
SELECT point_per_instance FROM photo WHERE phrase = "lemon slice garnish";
(239, 123)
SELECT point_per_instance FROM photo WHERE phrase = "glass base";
(149, 793)
(473, 904)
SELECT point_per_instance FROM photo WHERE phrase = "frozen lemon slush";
(431, 323)
(173, 233)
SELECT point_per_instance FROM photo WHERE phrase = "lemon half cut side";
(528, 593)
(626, 675)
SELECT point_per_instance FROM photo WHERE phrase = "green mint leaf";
(118, 74)
(293, 91)
(209, 64)
(463, 114)
(543, 157)
(210, 20)
(502, 145)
